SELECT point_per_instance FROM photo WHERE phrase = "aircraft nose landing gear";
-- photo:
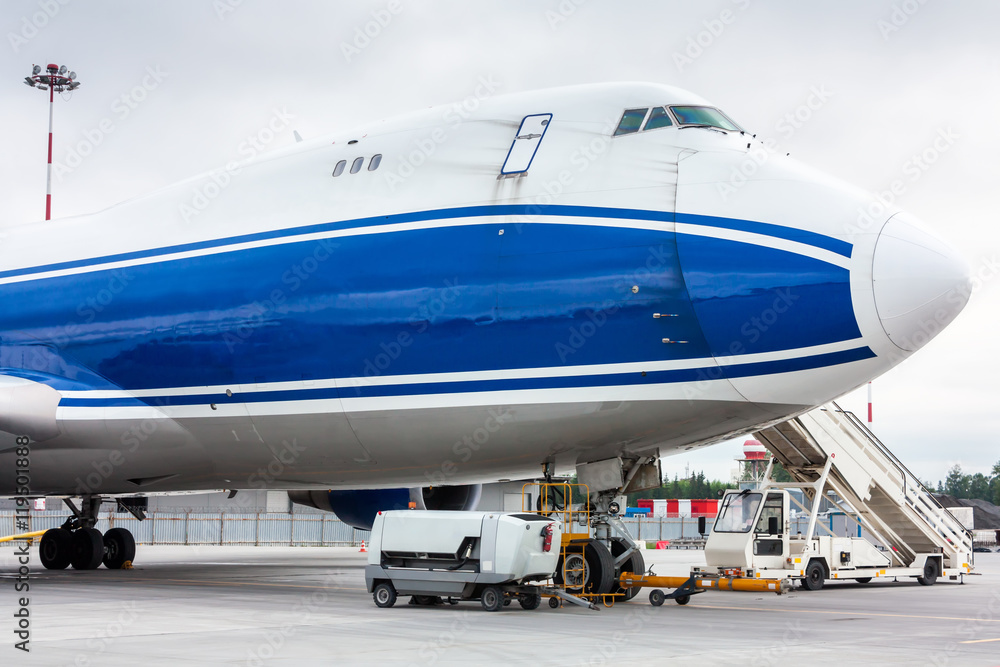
(79, 544)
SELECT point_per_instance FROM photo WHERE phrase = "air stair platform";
(830, 449)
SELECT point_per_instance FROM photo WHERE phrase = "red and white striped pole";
(869, 402)
(48, 173)
(55, 80)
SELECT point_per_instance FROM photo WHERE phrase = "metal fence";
(204, 528)
(278, 528)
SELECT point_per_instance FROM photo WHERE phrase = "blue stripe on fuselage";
(703, 374)
(443, 299)
(527, 210)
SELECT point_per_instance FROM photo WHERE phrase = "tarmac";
(308, 606)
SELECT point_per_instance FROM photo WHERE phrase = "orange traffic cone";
(362, 549)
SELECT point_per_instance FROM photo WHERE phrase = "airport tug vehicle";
(493, 557)
(831, 454)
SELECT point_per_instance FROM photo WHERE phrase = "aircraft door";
(522, 151)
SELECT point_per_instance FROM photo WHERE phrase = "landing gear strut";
(607, 480)
(79, 544)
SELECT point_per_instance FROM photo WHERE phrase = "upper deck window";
(631, 121)
(657, 119)
(704, 117)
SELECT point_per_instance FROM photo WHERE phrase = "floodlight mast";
(55, 80)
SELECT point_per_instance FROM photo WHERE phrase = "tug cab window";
(658, 118)
(773, 506)
(737, 512)
(704, 117)
(631, 121)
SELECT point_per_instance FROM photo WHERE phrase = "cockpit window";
(631, 121)
(657, 119)
(704, 116)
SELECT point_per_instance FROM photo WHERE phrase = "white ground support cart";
(485, 556)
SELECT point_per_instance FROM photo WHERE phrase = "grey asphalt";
(308, 606)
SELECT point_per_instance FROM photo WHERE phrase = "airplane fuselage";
(430, 319)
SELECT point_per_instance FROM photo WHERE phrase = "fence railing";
(277, 528)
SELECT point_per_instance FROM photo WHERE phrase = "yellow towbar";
(688, 586)
(22, 536)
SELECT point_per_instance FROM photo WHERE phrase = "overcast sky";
(172, 89)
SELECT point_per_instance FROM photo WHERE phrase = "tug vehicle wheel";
(814, 577)
(491, 598)
(930, 573)
(384, 595)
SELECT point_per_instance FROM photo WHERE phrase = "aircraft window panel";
(375, 162)
(339, 169)
(658, 118)
(356, 166)
(704, 116)
(526, 142)
(631, 121)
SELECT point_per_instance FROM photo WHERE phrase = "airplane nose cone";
(921, 284)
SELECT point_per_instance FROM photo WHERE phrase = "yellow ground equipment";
(23, 536)
(570, 504)
(692, 585)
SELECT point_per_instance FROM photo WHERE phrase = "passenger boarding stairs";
(890, 502)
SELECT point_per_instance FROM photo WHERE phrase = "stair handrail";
(853, 418)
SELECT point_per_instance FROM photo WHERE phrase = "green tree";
(979, 486)
(957, 484)
(779, 474)
(995, 484)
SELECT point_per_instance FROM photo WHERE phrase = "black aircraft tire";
(119, 548)
(635, 564)
(87, 548)
(55, 549)
(599, 566)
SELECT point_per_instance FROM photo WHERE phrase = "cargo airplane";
(597, 275)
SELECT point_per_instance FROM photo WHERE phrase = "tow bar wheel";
(656, 597)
